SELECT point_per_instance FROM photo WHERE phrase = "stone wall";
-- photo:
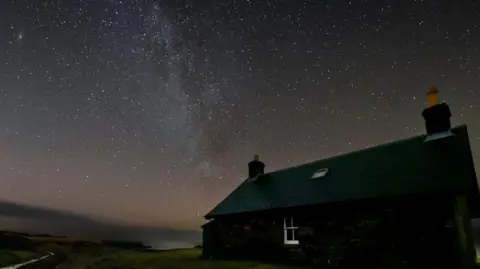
(393, 235)
(411, 232)
(250, 238)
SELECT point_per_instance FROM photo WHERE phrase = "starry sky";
(145, 113)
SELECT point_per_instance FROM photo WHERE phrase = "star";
(146, 113)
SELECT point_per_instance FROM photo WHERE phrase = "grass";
(103, 258)
(10, 257)
(78, 254)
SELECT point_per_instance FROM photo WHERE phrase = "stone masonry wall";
(401, 233)
(395, 236)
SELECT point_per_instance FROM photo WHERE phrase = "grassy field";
(103, 258)
(81, 254)
(10, 257)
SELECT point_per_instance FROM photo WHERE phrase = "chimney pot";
(432, 97)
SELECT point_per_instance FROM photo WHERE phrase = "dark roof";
(403, 167)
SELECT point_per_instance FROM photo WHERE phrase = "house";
(405, 204)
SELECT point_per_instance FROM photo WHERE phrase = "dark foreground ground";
(48, 263)
(8, 257)
(80, 254)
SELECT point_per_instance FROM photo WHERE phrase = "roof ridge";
(361, 174)
(342, 155)
(355, 151)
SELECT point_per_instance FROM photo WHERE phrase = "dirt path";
(17, 266)
(50, 262)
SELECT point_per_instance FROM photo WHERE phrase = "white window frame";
(288, 224)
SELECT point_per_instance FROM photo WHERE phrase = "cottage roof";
(409, 166)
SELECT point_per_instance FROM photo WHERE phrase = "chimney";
(437, 117)
(255, 167)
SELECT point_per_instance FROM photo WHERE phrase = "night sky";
(145, 113)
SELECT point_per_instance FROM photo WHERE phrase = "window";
(320, 173)
(290, 232)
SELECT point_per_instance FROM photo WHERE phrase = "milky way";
(146, 112)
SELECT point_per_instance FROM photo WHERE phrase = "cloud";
(43, 220)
